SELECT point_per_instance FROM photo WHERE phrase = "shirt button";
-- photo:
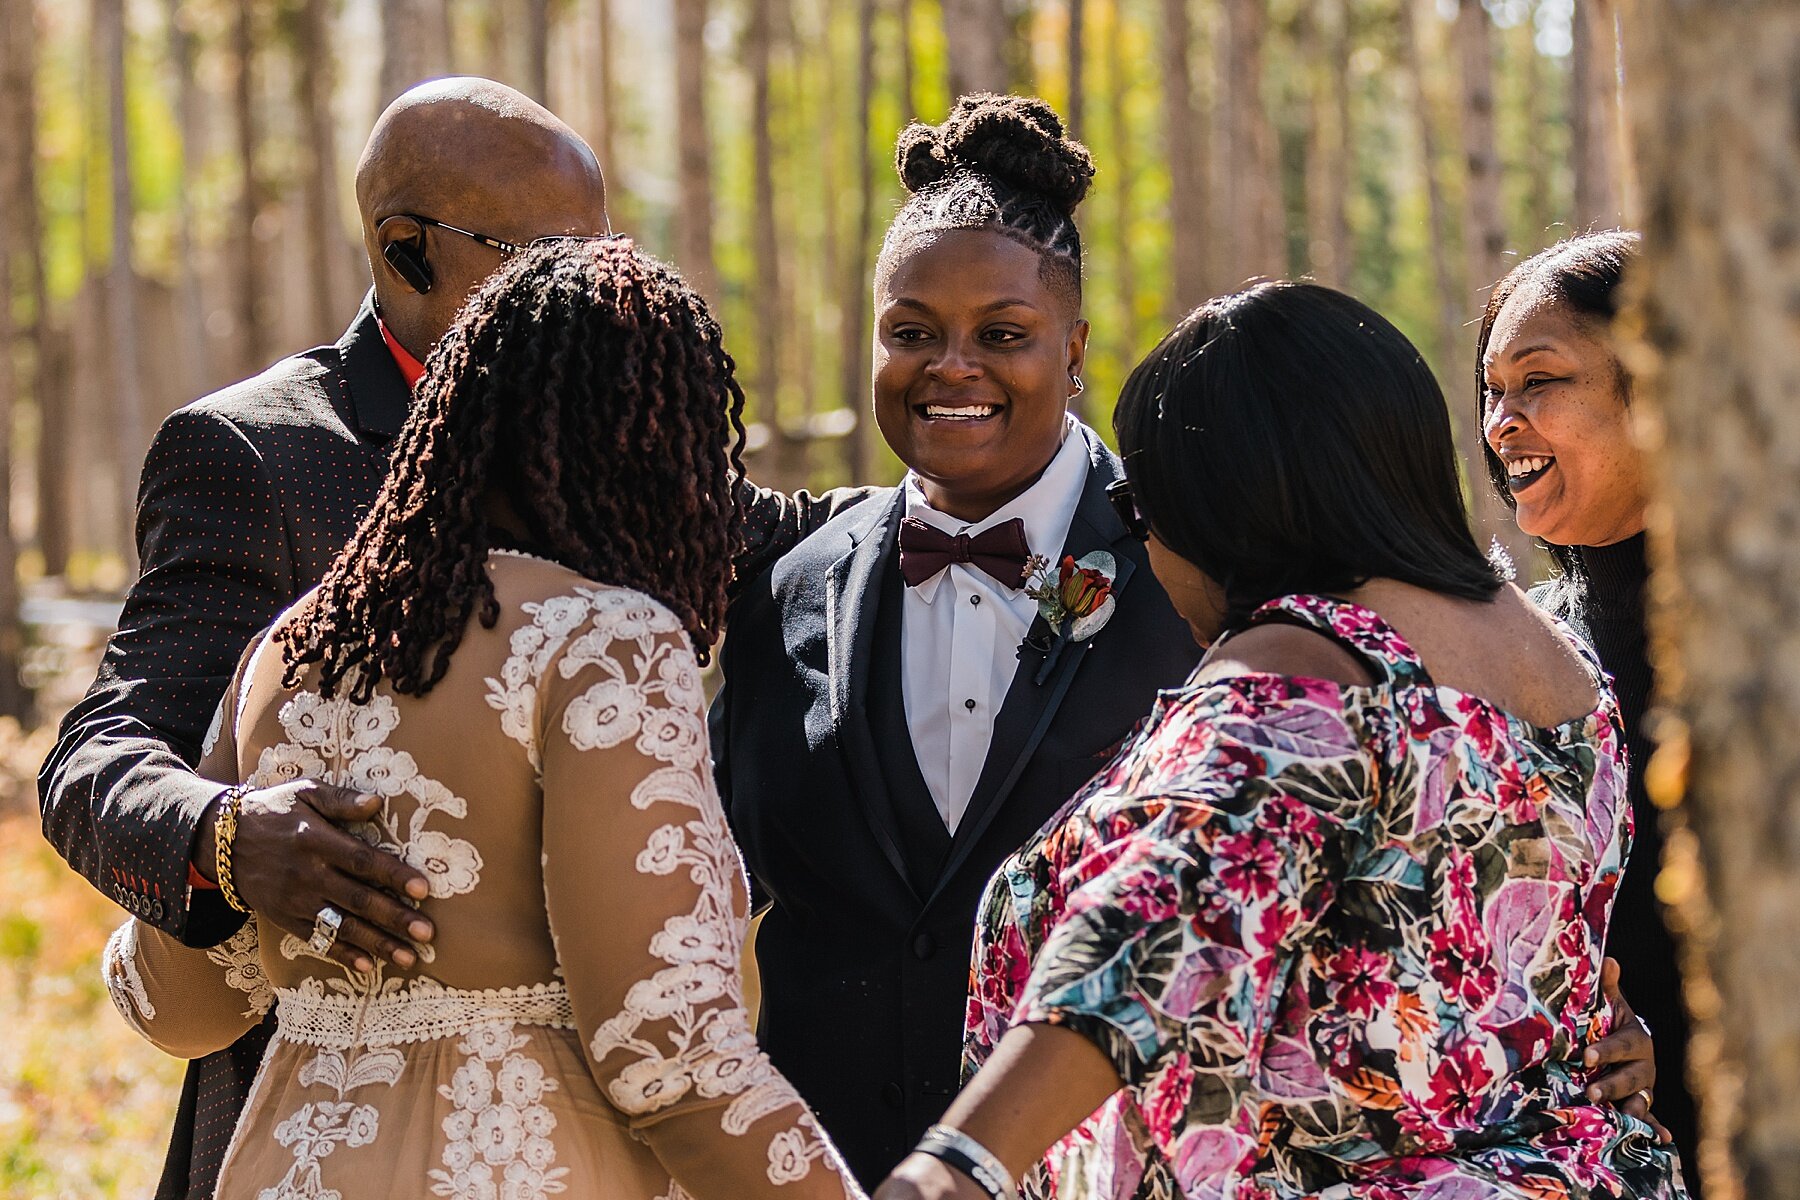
(974, 599)
(969, 704)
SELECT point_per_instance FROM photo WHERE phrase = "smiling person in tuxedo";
(897, 715)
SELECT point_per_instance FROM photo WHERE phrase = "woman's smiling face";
(975, 357)
(1555, 412)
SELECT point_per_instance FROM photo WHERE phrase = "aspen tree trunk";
(1075, 112)
(694, 221)
(1485, 231)
(1187, 147)
(1715, 108)
(856, 331)
(765, 241)
(252, 279)
(1538, 89)
(1452, 303)
(826, 319)
(603, 118)
(1124, 179)
(1326, 41)
(49, 386)
(127, 415)
(17, 22)
(1593, 99)
(324, 235)
(909, 67)
(1484, 236)
(190, 299)
(415, 44)
(534, 50)
(1252, 187)
(975, 37)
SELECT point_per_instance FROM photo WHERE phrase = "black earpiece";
(408, 261)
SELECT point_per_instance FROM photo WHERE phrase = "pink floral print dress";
(1339, 942)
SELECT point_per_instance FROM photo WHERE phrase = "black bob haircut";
(1286, 439)
(1583, 273)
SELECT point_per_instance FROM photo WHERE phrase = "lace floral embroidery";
(498, 1139)
(607, 710)
(123, 981)
(241, 957)
(339, 742)
(321, 1126)
(684, 1027)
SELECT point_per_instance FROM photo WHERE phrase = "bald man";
(246, 497)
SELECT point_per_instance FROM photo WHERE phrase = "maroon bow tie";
(1001, 552)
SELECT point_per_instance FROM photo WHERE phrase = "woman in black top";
(1555, 410)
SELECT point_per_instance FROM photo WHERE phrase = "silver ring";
(325, 930)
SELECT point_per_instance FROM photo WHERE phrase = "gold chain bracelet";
(224, 835)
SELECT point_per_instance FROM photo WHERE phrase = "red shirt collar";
(411, 369)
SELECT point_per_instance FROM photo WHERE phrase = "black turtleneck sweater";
(1604, 602)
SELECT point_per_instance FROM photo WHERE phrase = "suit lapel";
(378, 392)
(852, 600)
(1032, 705)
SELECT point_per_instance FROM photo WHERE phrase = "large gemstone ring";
(325, 930)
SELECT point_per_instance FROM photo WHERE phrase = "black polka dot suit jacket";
(246, 497)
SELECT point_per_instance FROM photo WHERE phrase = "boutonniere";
(1074, 597)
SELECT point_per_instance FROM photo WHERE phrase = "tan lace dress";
(578, 1027)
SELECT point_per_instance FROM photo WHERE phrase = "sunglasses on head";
(1125, 505)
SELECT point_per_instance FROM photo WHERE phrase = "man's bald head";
(475, 154)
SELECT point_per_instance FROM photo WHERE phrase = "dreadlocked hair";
(1000, 163)
(584, 384)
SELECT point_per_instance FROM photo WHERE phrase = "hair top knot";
(1016, 141)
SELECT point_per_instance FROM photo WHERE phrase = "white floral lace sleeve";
(186, 1002)
(648, 901)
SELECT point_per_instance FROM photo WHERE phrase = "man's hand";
(290, 859)
(1623, 1064)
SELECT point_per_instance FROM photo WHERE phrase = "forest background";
(175, 213)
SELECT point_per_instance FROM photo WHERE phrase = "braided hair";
(1000, 163)
(585, 388)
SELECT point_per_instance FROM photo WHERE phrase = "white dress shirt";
(960, 630)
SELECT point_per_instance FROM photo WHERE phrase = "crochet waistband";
(423, 1011)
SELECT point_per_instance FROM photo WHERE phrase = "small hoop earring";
(1080, 387)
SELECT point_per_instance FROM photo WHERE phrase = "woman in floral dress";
(1330, 925)
(505, 654)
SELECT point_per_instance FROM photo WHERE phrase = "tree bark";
(1075, 113)
(17, 22)
(313, 80)
(976, 33)
(1485, 230)
(127, 415)
(190, 297)
(765, 238)
(856, 330)
(415, 44)
(534, 50)
(49, 383)
(1715, 108)
(1484, 237)
(1187, 147)
(694, 221)
(1593, 101)
(1325, 29)
(1251, 185)
(252, 304)
(1124, 180)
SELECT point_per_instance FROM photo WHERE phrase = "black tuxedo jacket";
(864, 949)
(246, 498)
